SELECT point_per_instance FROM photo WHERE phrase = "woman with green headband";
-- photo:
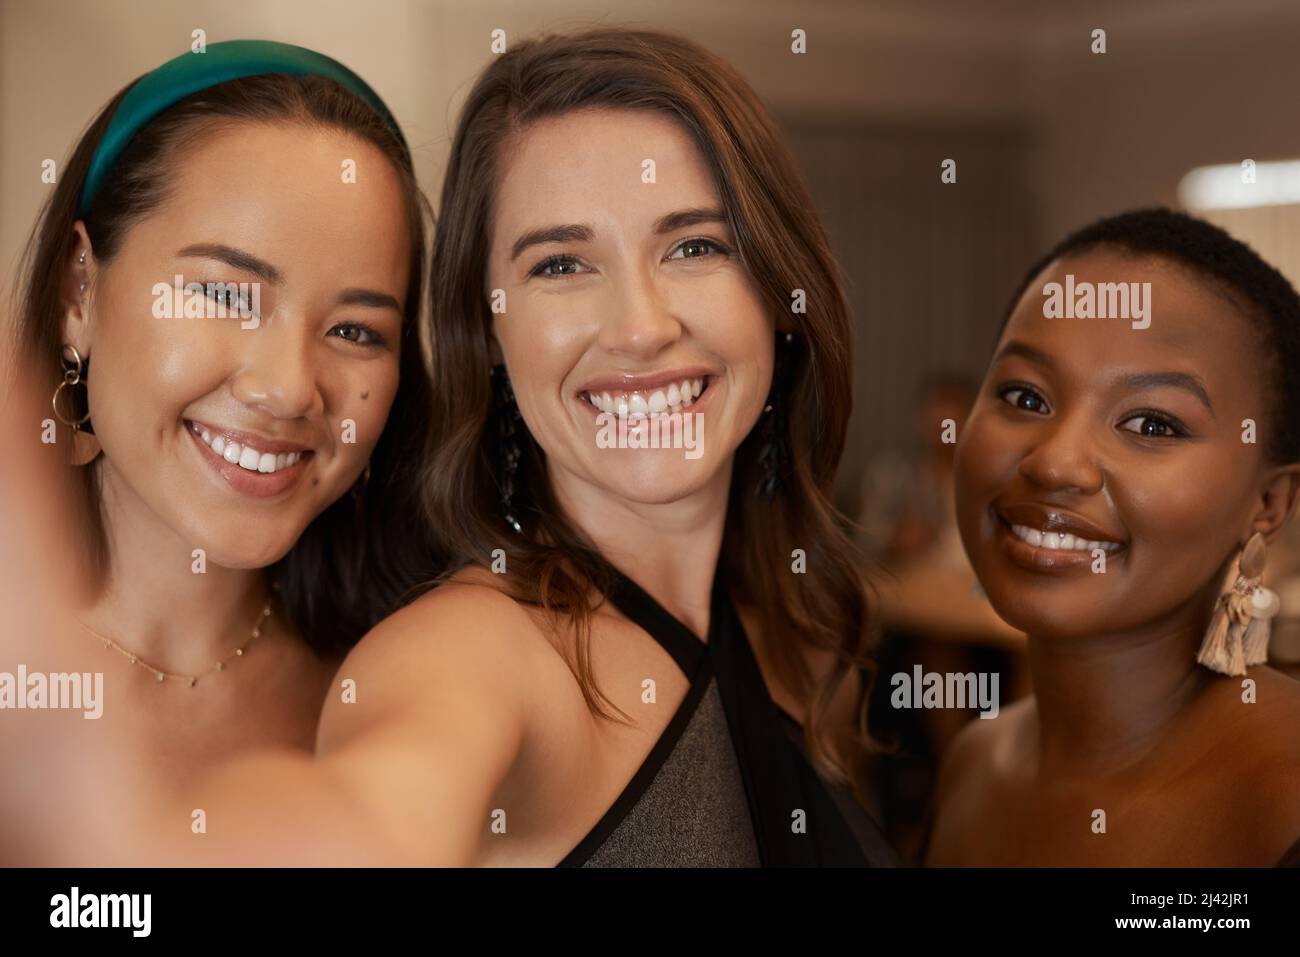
(220, 304)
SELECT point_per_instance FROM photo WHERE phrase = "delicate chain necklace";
(161, 675)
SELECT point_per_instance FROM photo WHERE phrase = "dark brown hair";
(355, 561)
(784, 247)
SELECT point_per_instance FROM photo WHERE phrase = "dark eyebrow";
(236, 258)
(1138, 380)
(569, 233)
(368, 297)
(688, 217)
(1025, 351)
(1179, 380)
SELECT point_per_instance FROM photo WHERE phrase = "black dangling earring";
(508, 417)
(774, 451)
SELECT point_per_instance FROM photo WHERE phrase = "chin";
(1051, 613)
(245, 548)
(660, 483)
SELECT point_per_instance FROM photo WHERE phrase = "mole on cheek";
(365, 395)
(315, 481)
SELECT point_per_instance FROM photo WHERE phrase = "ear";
(78, 281)
(1276, 502)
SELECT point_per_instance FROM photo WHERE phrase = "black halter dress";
(728, 783)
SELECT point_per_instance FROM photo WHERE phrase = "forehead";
(282, 190)
(1194, 322)
(591, 166)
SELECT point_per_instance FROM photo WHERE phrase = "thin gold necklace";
(161, 675)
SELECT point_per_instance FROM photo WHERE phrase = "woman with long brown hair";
(623, 235)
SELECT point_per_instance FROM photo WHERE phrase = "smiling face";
(624, 297)
(1089, 433)
(233, 433)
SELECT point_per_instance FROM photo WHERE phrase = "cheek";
(726, 316)
(361, 393)
(1183, 514)
(542, 340)
(146, 371)
(986, 456)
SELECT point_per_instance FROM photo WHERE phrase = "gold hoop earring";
(85, 447)
(1239, 629)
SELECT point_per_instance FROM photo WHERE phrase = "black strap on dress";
(779, 781)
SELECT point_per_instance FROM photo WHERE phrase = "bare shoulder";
(974, 766)
(1270, 756)
(1260, 714)
(983, 747)
(466, 635)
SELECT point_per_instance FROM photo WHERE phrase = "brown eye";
(1024, 398)
(360, 334)
(1152, 426)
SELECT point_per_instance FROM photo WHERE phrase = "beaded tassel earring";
(1238, 634)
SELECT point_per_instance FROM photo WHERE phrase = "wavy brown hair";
(354, 563)
(783, 246)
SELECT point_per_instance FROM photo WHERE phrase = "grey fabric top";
(694, 812)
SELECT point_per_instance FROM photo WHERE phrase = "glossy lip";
(648, 382)
(1052, 519)
(697, 406)
(253, 484)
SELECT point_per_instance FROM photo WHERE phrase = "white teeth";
(678, 396)
(245, 456)
(1059, 542)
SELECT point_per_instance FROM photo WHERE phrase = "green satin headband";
(191, 72)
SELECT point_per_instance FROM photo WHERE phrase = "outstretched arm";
(405, 772)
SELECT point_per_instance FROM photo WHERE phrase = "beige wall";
(60, 60)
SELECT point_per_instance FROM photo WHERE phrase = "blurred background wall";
(1046, 134)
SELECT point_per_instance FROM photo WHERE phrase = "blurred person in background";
(932, 611)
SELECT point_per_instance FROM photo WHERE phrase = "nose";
(279, 373)
(639, 321)
(1063, 456)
